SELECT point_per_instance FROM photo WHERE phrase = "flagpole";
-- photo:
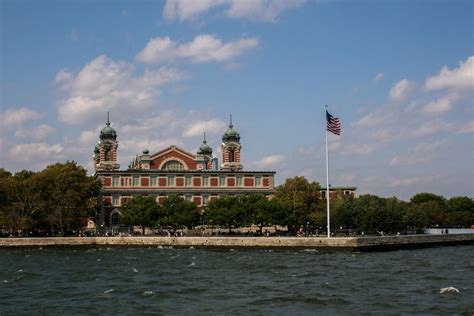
(327, 181)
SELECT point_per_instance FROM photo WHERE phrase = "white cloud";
(210, 127)
(203, 48)
(425, 128)
(38, 133)
(378, 117)
(255, 10)
(379, 77)
(188, 10)
(422, 153)
(269, 161)
(358, 149)
(401, 90)
(106, 85)
(88, 138)
(261, 10)
(464, 128)
(461, 78)
(409, 181)
(63, 78)
(12, 117)
(442, 104)
(307, 151)
(35, 152)
(134, 145)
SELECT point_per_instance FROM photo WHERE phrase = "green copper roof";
(205, 149)
(108, 132)
(231, 134)
(96, 149)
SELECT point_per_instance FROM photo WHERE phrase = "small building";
(333, 191)
(174, 171)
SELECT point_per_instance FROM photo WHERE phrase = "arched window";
(173, 165)
(108, 155)
(114, 219)
(231, 155)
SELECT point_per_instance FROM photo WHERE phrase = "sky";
(398, 74)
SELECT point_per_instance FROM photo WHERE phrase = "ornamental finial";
(108, 121)
(204, 141)
(231, 125)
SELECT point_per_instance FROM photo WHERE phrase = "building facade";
(174, 171)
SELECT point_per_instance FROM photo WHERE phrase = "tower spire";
(230, 124)
(108, 121)
(204, 141)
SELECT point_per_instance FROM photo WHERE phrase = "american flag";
(333, 124)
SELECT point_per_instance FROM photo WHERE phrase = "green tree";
(423, 197)
(428, 209)
(6, 197)
(66, 192)
(300, 199)
(459, 212)
(379, 214)
(140, 211)
(227, 211)
(460, 204)
(178, 213)
(28, 203)
(263, 212)
(343, 211)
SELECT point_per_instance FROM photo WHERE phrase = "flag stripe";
(333, 124)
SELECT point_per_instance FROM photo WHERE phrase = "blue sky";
(399, 75)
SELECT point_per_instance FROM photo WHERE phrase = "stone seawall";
(339, 243)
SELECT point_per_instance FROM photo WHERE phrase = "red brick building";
(174, 171)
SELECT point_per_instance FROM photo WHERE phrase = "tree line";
(298, 205)
(60, 198)
(54, 201)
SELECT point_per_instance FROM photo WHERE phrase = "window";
(205, 200)
(231, 156)
(114, 219)
(188, 197)
(258, 181)
(108, 155)
(187, 181)
(173, 165)
(347, 192)
(115, 181)
(136, 181)
(239, 181)
(221, 181)
(115, 200)
(126, 181)
(205, 181)
(153, 181)
(171, 181)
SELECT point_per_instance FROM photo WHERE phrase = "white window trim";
(168, 181)
(151, 181)
(255, 181)
(116, 198)
(202, 181)
(225, 181)
(202, 199)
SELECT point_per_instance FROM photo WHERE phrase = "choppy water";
(197, 281)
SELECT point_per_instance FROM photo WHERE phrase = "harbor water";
(434, 281)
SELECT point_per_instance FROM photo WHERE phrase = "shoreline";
(372, 243)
